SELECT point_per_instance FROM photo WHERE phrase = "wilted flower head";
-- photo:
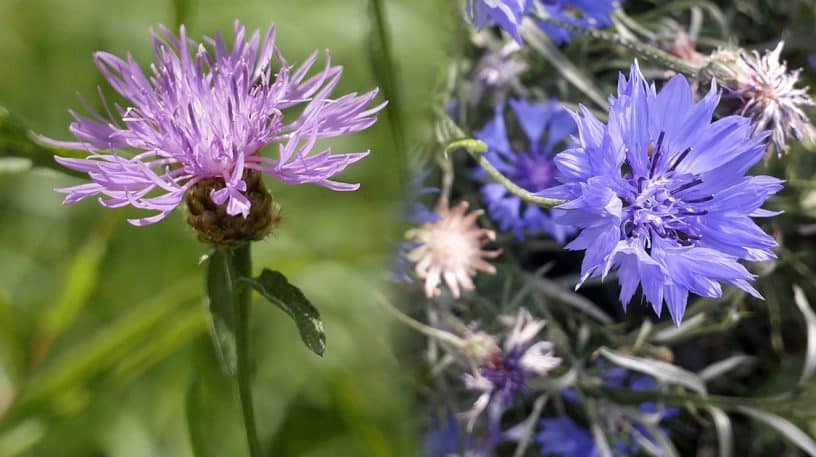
(204, 113)
(769, 93)
(505, 373)
(529, 164)
(450, 248)
(593, 14)
(497, 71)
(677, 41)
(660, 193)
(506, 13)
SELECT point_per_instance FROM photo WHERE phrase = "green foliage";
(275, 287)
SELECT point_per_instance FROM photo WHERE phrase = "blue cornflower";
(660, 193)
(507, 14)
(417, 213)
(546, 126)
(563, 437)
(445, 438)
(593, 14)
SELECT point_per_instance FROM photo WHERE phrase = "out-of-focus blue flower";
(505, 373)
(660, 193)
(593, 14)
(546, 126)
(563, 437)
(507, 14)
(446, 438)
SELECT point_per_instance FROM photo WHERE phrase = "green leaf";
(219, 296)
(277, 289)
(662, 371)
(783, 426)
(810, 320)
(725, 433)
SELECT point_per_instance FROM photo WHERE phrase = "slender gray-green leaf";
(219, 297)
(276, 288)
(717, 369)
(661, 371)
(725, 433)
(801, 439)
(673, 333)
(556, 291)
(539, 41)
(809, 366)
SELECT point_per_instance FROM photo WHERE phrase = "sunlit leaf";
(717, 369)
(662, 371)
(809, 366)
(725, 433)
(801, 439)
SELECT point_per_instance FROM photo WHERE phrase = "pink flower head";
(206, 111)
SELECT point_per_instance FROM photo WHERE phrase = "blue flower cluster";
(546, 126)
(508, 14)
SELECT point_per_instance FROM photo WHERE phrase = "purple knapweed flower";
(592, 14)
(205, 112)
(660, 193)
(508, 14)
(546, 126)
(561, 436)
(504, 374)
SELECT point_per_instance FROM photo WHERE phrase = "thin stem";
(382, 59)
(642, 49)
(433, 333)
(241, 267)
(477, 149)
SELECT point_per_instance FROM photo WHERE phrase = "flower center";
(534, 172)
(662, 203)
(506, 373)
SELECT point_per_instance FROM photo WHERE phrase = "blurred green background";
(103, 331)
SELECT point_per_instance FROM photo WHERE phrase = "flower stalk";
(241, 267)
(641, 49)
(476, 149)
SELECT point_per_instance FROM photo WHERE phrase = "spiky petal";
(769, 94)
(450, 249)
(206, 111)
(660, 193)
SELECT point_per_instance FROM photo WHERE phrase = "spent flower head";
(769, 93)
(450, 249)
(529, 164)
(504, 374)
(202, 116)
(660, 193)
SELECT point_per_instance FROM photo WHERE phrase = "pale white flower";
(450, 249)
(769, 93)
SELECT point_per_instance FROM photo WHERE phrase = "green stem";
(384, 67)
(641, 49)
(241, 267)
(477, 149)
